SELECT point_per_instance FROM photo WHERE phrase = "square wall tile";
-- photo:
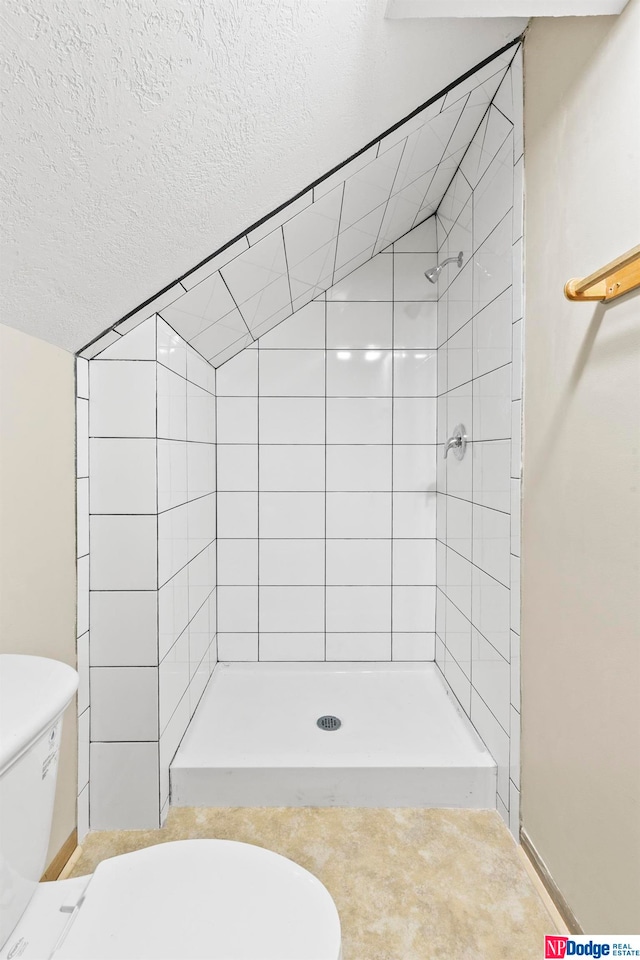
(237, 609)
(82, 596)
(294, 467)
(172, 473)
(414, 609)
(515, 670)
(414, 467)
(292, 420)
(358, 609)
(291, 646)
(415, 325)
(490, 603)
(291, 562)
(201, 576)
(491, 474)
(414, 515)
(292, 515)
(415, 373)
(124, 786)
(414, 420)
(201, 415)
(413, 646)
(172, 405)
(237, 646)
(173, 676)
(82, 662)
(123, 476)
(238, 377)
(354, 420)
(358, 467)
(296, 373)
(491, 542)
(123, 553)
(237, 419)
(201, 524)
(458, 681)
(82, 438)
(291, 609)
(82, 812)
(123, 398)
(303, 330)
(237, 466)
(490, 672)
(83, 749)
(357, 325)
(358, 562)
(124, 628)
(414, 562)
(358, 646)
(201, 470)
(173, 611)
(359, 373)
(237, 562)
(82, 520)
(496, 740)
(409, 281)
(173, 542)
(237, 515)
(82, 378)
(124, 703)
(371, 281)
(169, 742)
(492, 335)
(359, 515)
(492, 405)
(200, 372)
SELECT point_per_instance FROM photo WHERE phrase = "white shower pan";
(403, 742)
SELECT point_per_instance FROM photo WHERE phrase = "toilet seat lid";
(215, 899)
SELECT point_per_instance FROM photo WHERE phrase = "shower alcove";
(268, 530)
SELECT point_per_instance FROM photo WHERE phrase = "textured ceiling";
(139, 136)
(302, 250)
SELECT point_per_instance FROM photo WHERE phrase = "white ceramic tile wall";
(146, 532)
(326, 473)
(480, 384)
(299, 252)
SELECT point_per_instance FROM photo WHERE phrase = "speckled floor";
(408, 884)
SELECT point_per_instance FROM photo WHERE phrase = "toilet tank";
(34, 692)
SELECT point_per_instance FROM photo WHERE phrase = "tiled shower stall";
(289, 499)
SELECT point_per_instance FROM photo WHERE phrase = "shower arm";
(457, 260)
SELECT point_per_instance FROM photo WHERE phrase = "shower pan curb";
(254, 740)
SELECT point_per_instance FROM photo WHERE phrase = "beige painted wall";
(37, 524)
(581, 513)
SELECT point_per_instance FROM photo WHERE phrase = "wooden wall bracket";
(617, 278)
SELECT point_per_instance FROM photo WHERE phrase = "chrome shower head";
(433, 273)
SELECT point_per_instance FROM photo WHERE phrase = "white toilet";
(215, 899)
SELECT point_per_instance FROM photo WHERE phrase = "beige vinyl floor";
(409, 884)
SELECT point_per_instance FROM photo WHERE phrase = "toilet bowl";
(187, 899)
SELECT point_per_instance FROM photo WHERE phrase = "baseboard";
(61, 858)
(549, 884)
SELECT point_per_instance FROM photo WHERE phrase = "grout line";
(325, 451)
(257, 446)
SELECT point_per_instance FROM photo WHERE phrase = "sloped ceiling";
(323, 235)
(142, 136)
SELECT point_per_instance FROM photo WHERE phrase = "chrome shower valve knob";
(457, 442)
